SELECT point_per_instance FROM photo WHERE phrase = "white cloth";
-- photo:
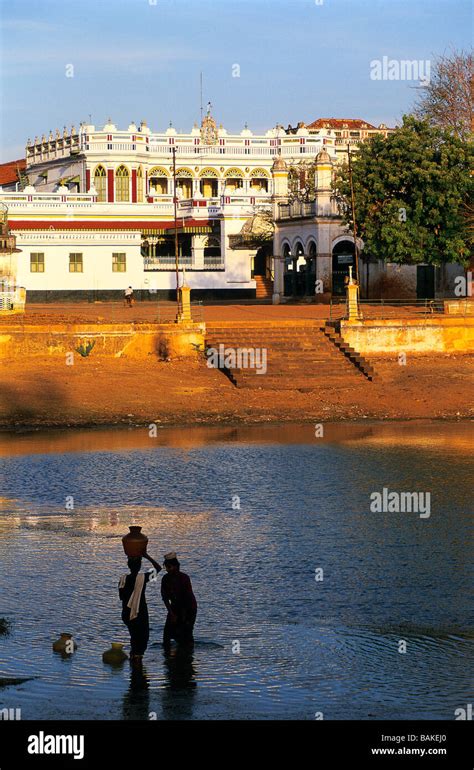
(134, 601)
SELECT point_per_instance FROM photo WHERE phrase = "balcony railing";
(167, 263)
(297, 210)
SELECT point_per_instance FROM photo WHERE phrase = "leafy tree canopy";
(412, 195)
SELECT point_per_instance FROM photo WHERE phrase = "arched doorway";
(287, 271)
(310, 272)
(294, 277)
(342, 258)
(212, 252)
(260, 262)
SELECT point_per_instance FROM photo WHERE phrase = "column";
(110, 185)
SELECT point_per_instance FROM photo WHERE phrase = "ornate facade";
(97, 212)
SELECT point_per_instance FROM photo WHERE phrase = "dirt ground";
(109, 391)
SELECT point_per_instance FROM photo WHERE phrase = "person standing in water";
(134, 606)
(179, 599)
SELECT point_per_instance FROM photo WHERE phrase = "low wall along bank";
(112, 340)
(140, 340)
(428, 335)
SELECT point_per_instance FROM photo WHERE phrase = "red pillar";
(88, 179)
(110, 185)
(134, 185)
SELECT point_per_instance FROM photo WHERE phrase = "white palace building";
(93, 212)
(97, 213)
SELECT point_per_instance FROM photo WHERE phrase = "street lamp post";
(354, 224)
(176, 249)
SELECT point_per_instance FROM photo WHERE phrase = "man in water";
(134, 606)
(178, 596)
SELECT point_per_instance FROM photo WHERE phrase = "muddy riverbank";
(101, 391)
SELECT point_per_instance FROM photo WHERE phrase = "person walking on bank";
(179, 599)
(128, 294)
(134, 606)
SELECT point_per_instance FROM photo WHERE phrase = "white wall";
(96, 248)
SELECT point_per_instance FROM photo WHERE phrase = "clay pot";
(115, 655)
(134, 543)
(60, 644)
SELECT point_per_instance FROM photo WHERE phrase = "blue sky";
(141, 59)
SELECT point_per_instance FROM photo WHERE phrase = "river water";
(309, 602)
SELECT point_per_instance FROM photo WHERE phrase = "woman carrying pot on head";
(134, 606)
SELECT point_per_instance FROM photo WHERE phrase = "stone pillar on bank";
(184, 294)
(353, 311)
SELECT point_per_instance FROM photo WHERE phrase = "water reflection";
(136, 701)
(181, 680)
(304, 504)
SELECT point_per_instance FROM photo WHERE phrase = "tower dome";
(279, 164)
(323, 157)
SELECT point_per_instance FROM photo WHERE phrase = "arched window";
(122, 185)
(100, 183)
(208, 183)
(158, 181)
(234, 179)
(184, 183)
(299, 250)
(259, 180)
(139, 185)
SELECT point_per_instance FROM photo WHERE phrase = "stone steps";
(300, 356)
(263, 287)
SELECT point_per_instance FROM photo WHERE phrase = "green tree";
(412, 191)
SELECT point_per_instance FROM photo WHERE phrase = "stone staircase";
(300, 355)
(264, 287)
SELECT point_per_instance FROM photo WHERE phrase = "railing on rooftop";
(158, 144)
(297, 210)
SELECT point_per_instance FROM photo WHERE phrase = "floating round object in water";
(65, 644)
(134, 543)
(115, 655)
